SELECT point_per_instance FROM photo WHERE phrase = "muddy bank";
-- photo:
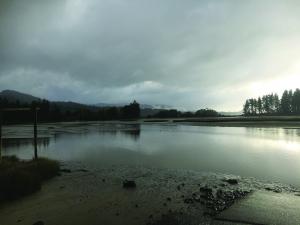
(87, 196)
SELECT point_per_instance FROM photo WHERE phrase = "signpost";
(35, 119)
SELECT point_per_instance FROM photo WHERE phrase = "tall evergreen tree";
(246, 109)
(285, 103)
(296, 101)
(259, 105)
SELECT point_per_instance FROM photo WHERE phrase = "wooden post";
(35, 133)
(1, 134)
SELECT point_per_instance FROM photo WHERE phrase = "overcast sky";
(185, 53)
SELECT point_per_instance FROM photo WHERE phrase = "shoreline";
(88, 196)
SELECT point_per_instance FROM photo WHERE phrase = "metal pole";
(35, 133)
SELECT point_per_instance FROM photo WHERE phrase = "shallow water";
(271, 154)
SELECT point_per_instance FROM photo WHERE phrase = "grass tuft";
(19, 178)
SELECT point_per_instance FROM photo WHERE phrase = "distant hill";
(73, 106)
(13, 96)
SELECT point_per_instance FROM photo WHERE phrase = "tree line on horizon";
(174, 113)
(271, 104)
(51, 112)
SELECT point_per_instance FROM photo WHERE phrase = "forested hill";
(61, 111)
(272, 104)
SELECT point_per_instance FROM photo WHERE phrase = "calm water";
(265, 153)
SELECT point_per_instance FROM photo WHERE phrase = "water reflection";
(24, 142)
(266, 153)
(134, 133)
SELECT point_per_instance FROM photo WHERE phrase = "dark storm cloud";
(182, 53)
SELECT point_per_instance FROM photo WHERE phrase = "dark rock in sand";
(206, 189)
(231, 181)
(65, 170)
(274, 189)
(39, 223)
(82, 170)
(188, 201)
(129, 184)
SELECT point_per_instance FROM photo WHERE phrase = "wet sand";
(96, 196)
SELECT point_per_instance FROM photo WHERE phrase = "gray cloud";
(184, 53)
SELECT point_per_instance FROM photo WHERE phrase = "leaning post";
(35, 132)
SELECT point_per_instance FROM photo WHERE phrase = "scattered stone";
(165, 204)
(103, 180)
(62, 187)
(128, 184)
(150, 216)
(136, 205)
(169, 199)
(117, 214)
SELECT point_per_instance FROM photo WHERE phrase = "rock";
(65, 170)
(206, 189)
(196, 197)
(39, 223)
(231, 181)
(82, 170)
(274, 189)
(128, 184)
(188, 201)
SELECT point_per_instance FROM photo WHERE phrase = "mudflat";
(84, 195)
